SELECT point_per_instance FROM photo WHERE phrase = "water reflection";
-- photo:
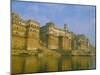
(32, 64)
(82, 62)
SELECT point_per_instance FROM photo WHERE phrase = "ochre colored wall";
(66, 43)
(18, 42)
(27, 35)
(52, 42)
(32, 44)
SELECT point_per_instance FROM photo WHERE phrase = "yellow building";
(55, 38)
(83, 42)
(18, 33)
(29, 36)
(25, 34)
(32, 35)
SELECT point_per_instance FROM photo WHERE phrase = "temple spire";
(65, 27)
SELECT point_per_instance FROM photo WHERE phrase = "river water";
(35, 64)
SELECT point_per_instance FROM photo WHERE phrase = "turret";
(32, 35)
(65, 27)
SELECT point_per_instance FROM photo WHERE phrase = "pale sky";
(80, 18)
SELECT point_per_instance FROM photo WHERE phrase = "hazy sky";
(80, 18)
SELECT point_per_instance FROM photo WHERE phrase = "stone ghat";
(82, 53)
(38, 52)
(49, 52)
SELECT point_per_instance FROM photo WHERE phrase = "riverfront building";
(29, 36)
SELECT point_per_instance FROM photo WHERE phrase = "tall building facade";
(28, 35)
(25, 34)
(55, 38)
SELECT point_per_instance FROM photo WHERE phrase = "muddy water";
(34, 64)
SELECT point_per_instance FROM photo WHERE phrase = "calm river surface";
(34, 64)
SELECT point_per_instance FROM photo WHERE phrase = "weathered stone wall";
(18, 35)
(83, 42)
(28, 35)
(25, 35)
(32, 44)
(18, 42)
(32, 35)
(66, 43)
(55, 38)
(52, 42)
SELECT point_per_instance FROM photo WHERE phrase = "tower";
(49, 35)
(65, 27)
(64, 39)
(18, 32)
(32, 35)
